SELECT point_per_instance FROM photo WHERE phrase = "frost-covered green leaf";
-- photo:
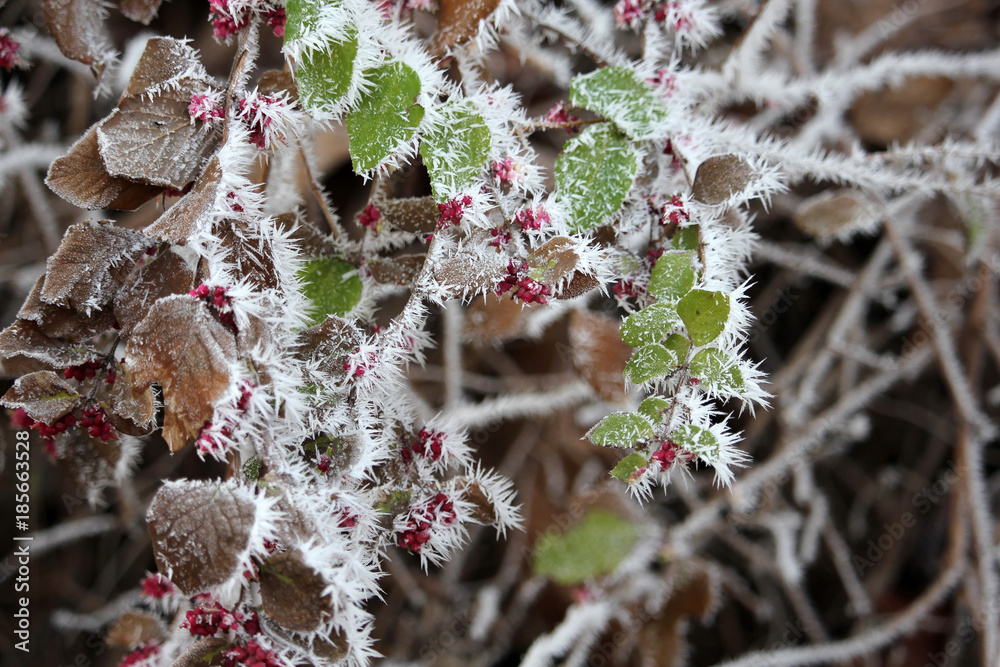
(455, 150)
(653, 408)
(650, 362)
(332, 286)
(704, 314)
(697, 440)
(324, 75)
(649, 325)
(620, 429)
(594, 174)
(672, 277)
(385, 117)
(301, 17)
(592, 548)
(686, 238)
(679, 345)
(712, 367)
(628, 465)
(620, 96)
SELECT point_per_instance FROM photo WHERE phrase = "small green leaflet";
(713, 368)
(704, 314)
(649, 325)
(686, 238)
(679, 345)
(592, 548)
(332, 286)
(653, 408)
(594, 174)
(628, 465)
(324, 76)
(455, 150)
(617, 94)
(385, 117)
(301, 17)
(697, 440)
(672, 276)
(649, 363)
(620, 429)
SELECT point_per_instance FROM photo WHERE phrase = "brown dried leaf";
(277, 81)
(133, 628)
(553, 262)
(92, 468)
(91, 264)
(248, 252)
(166, 274)
(599, 353)
(292, 592)
(413, 214)
(132, 411)
(192, 210)
(495, 320)
(142, 11)
(332, 648)
(458, 21)
(78, 28)
(62, 322)
(399, 270)
(154, 141)
(25, 340)
(204, 653)
(189, 353)
(327, 342)
(80, 178)
(483, 511)
(45, 396)
(469, 272)
(832, 214)
(719, 177)
(580, 283)
(164, 60)
(199, 532)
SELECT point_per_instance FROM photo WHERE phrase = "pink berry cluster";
(209, 618)
(532, 218)
(208, 443)
(664, 81)
(629, 12)
(558, 115)
(628, 288)
(357, 365)
(83, 371)
(226, 21)
(669, 452)
(451, 211)
(673, 212)
(506, 170)
(156, 587)
(418, 528)
(205, 108)
(8, 50)
(216, 298)
(258, 112)
(524, 287)
(46, 431)
(500, 237)
(140, 655)
(370, 217)
(251, 655)
(95, 420)
(429, 443)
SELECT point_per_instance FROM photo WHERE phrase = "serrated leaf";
(193, 210)
(672, 277)
(458, 22)
(411, 214)
(134, 628)
(696, 439)
(650, 362)
(132, 411)
(79, 29)
(385, 117)
(553, 262)
(649, 325)
(63, 322)
(142, 11)
(199, 532)
(594, 174)
(628, 465)
(164, 275)
(653, 408)
(720, 177)
(592, 548)
(45, 396)
(455, 150)
(324, 75)
(704, 314)
(292, 592)
(620, 96)
(25, 340)
(181, 346)
(620, 429)
(712, 367)
(302, 17)
(332, 286)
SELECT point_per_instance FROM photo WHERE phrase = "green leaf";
(686, 238)
(594, 174)
(653, 408)
(649, 325)
(620, 96)
(332, 286)
(650, 362)
(324, 75)
(620, 429)
(679, 345)
(628, 465)
(672, 276)
(385, 117)
(456, 150)
(301, 17)
(697, 440)
(714, 368)
(592, 548)
(704, 314)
